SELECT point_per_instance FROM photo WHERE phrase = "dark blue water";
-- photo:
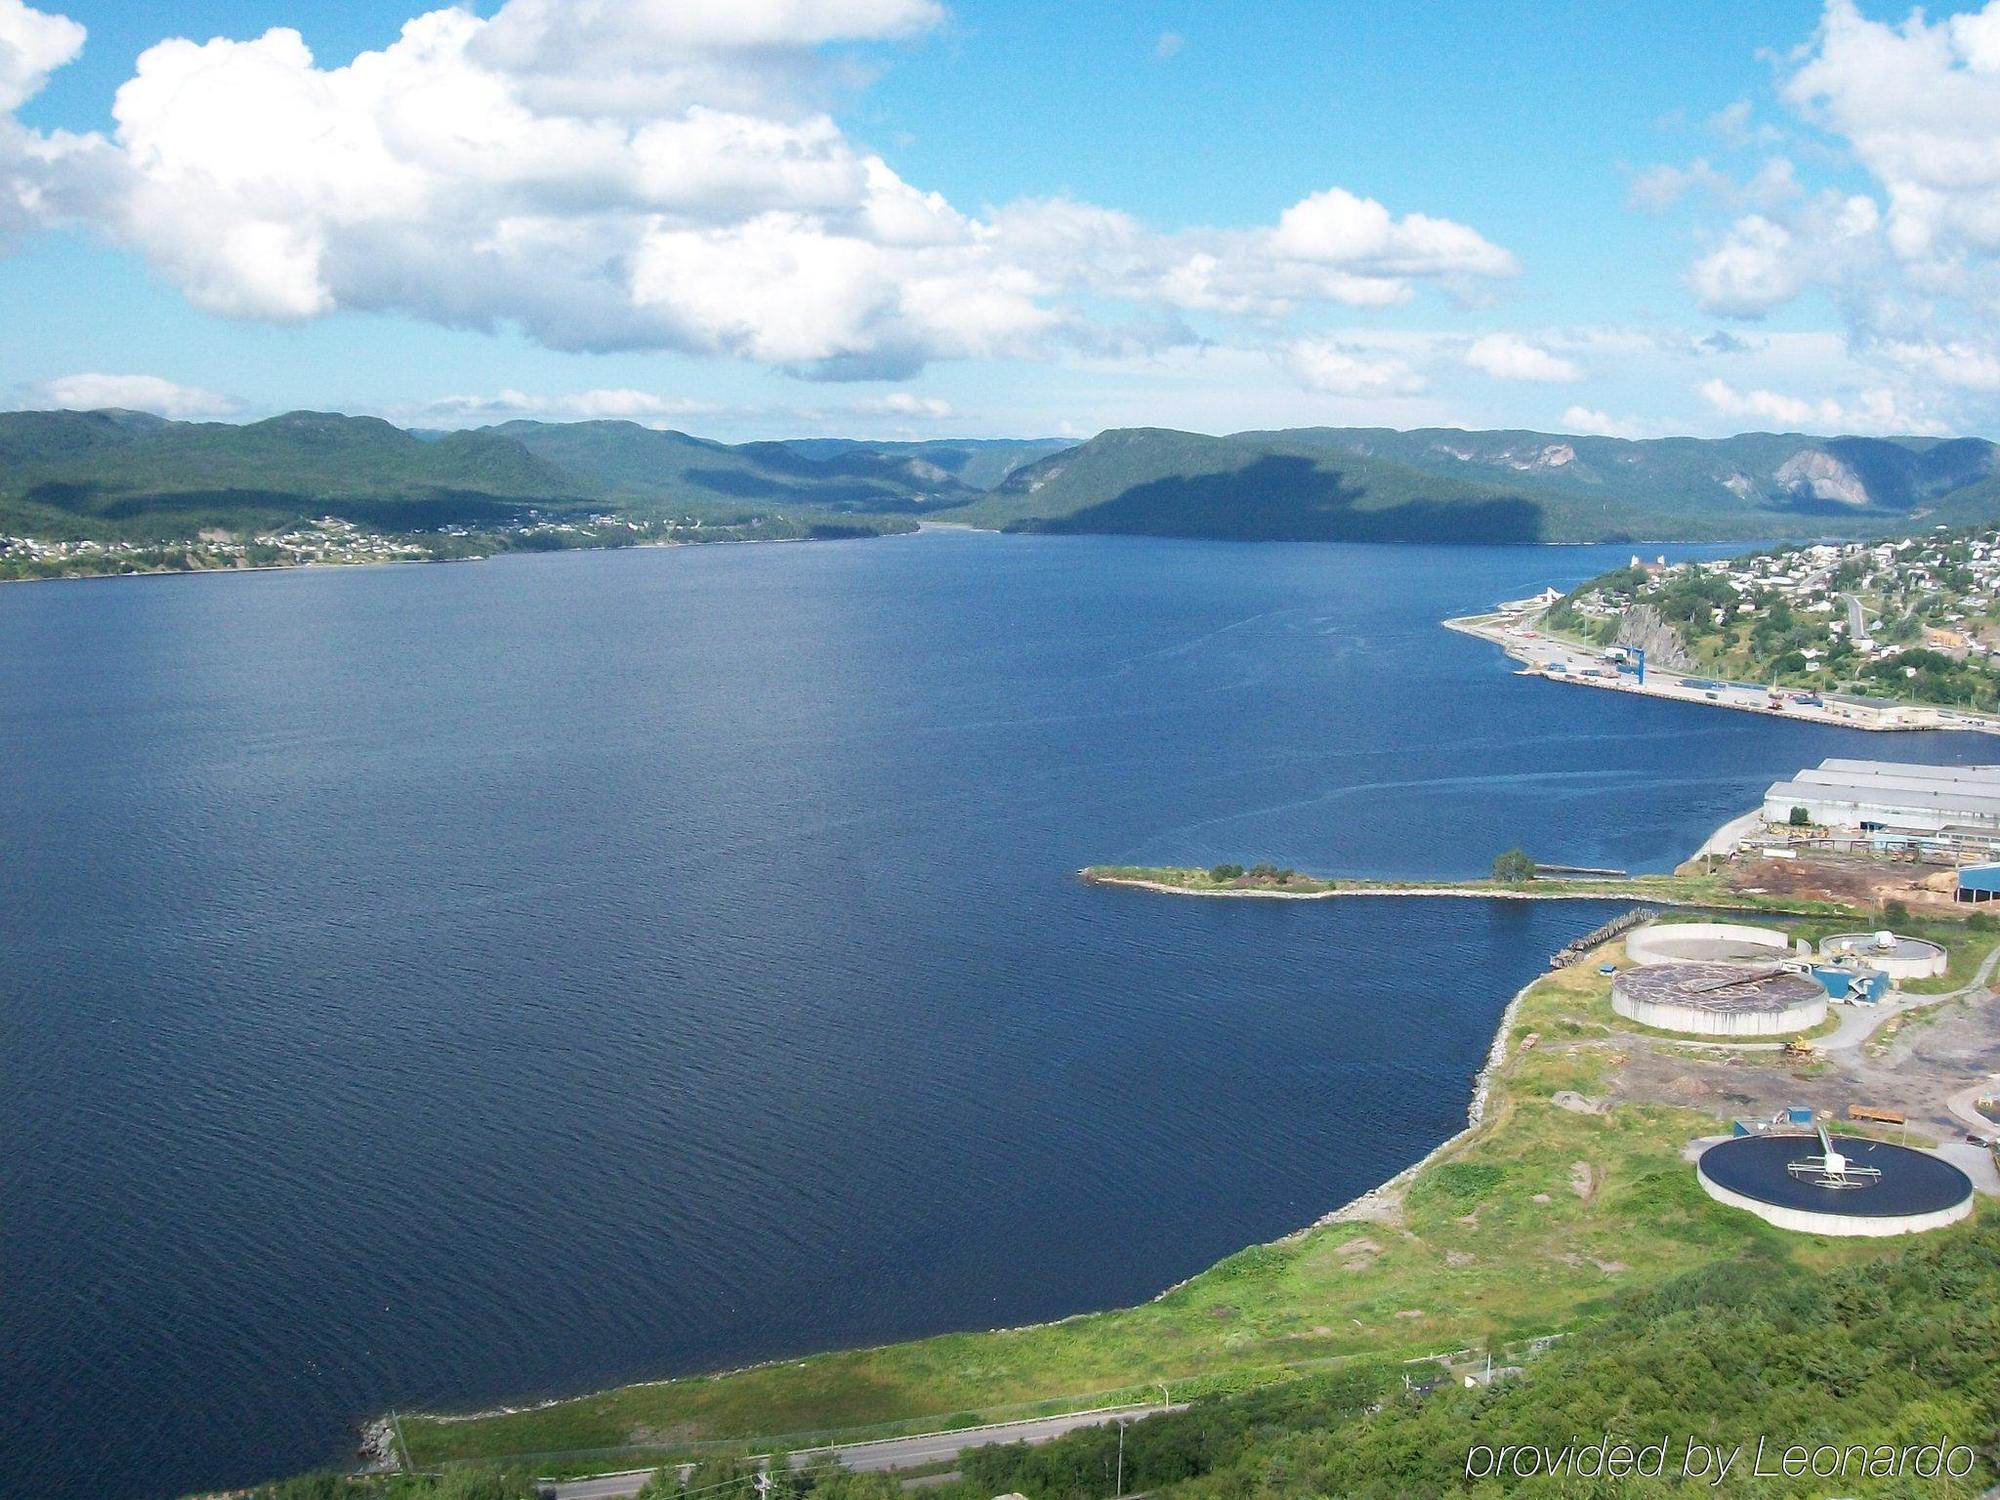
(437, 985)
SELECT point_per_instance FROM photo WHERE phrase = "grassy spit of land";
(1694, 888)
(1528, 1223)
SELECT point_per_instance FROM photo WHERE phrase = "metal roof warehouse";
(1868, 794)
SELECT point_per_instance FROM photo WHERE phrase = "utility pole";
(1121, 1456)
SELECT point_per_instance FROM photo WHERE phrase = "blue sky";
(901, 217)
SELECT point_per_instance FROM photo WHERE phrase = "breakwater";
(1569, 953)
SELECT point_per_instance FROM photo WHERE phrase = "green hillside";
(1330, 484)
(1154, 482)
(1753, 471)
(128, 475)
(648, 468)
(645, 466)
(114, 474)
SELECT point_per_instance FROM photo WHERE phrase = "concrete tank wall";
(1846, 1225)
(1899, 963)
(1656, 941)
(1699, 1021)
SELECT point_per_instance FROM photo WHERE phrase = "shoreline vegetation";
(1536, 1218)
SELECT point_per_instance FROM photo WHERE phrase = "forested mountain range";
(130, 474)
(1443, 484)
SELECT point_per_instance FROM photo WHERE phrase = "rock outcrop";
(1641, 628)
(1821, 476)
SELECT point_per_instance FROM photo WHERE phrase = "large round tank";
(1898, 957)
(1880, 1189)
(1720, 1000)
(1705, 942)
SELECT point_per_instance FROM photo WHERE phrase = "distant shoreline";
(651, 543)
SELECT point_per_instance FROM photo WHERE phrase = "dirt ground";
(1857, 881)
(1913, 1069)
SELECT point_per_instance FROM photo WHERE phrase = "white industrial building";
(1871, 796)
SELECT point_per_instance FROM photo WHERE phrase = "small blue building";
(1978, 883)
(1855, 986)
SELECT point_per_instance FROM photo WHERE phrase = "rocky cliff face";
(1641, 628)
(1823, 477)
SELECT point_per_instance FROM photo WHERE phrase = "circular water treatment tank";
(1721, 1000)
(1898, 957)
(1887, 1189)
(1705, 942)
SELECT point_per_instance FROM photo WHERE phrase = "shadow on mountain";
(442, 508)
(837, 493)
(408, 513)
(1284, 498)
(1805, 504)
(898, 469)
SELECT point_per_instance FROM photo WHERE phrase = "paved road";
(1857, 627)
(896, 1453)
(1976, 1162)
(1859, 1022)
(1964, 1104)
(605, 1487)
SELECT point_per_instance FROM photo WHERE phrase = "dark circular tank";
(1912, 1184)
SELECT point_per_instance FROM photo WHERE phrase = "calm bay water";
(429, 986)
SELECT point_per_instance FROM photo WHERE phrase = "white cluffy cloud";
(1506, 356)
(905, 404)
(94, 392)
(32, 46)
(1917, 106)
(1590, 422)
(1659, 188)
(1755, 268)
(1959, 363)
(1871, 411)
(654, 174)
(43, 176)
(612, 404)
(1327, 365)
(1762, 263)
